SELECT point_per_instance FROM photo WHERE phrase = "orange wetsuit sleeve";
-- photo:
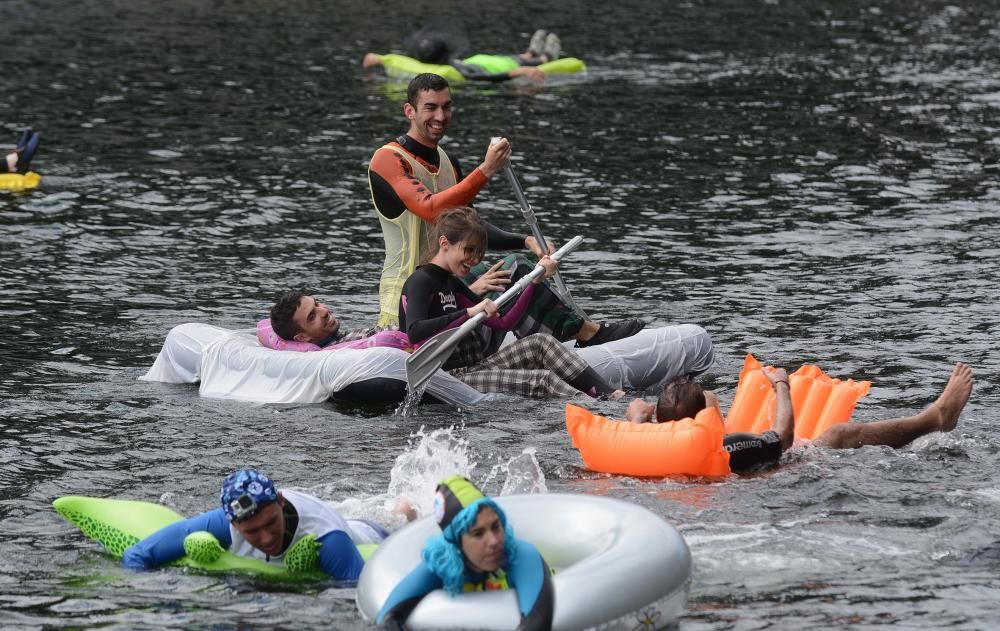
(395, 188)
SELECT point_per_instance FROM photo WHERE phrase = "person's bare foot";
(954, 397)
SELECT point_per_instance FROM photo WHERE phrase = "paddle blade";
(425, 361)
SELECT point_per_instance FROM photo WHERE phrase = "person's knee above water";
(18, 159)
(476, 551)
(432, 49)
(258, 521)
(413, 181)
(684, 398)
(435, 299)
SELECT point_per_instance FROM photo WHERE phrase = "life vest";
(407, 237)
(685, 447)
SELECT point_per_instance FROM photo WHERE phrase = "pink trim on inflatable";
(269, 339)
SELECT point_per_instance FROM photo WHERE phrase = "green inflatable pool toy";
(403, 67)
(118, 524)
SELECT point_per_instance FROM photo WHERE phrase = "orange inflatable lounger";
(818, 400)
(685, 447)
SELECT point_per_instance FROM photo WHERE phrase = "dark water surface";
(812, 182)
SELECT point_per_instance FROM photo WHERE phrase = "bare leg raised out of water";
(940, 416)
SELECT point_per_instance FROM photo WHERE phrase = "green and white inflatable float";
(403, 67)
(118, 524)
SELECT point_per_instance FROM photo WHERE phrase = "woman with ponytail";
(476, 551)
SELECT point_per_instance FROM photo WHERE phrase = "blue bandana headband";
(245, 492)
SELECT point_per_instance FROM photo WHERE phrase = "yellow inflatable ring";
(17, 182)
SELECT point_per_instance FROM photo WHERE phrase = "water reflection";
(812, 184)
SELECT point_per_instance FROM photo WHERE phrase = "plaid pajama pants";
(534, 366)
(546, 313)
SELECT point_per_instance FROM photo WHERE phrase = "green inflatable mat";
(403, 67)
(118, 524)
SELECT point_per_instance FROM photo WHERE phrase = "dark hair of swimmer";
(283, 312)
(681, 397)
(431, 50)
(459, 224)
(426, 82)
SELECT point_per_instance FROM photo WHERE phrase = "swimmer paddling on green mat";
(258, 521)
(432, 48)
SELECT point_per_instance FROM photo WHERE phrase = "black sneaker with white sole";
(609, 332)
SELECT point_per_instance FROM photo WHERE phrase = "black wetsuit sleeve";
(421, 312)
(459, 176)
(500, 239)
(530, 576)
(387, 202)
(496, 238)
(748, 452)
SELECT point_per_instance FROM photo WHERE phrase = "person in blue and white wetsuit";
(476, 551)
(258, 521)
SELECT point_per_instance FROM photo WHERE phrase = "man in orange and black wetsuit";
(413, 180)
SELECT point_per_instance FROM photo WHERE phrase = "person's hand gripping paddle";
(529, 217)
(423, 363)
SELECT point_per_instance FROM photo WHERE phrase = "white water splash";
(431, 457)
(408, 407)
(428, 459)
(520, 474)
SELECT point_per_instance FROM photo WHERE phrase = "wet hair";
(283, 314)
(431, 50)
(681, 397)
(459, 224)
(426, 82)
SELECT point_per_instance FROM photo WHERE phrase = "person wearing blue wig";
(476, 551)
